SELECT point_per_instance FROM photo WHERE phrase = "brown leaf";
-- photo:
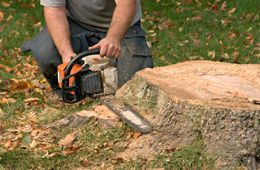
(86, 163)
(196, 18)
(214, 7)
(257, 44)
(231, 35)
(232, 11)
(250, 39)
(225, 22)
(7, 101)
(7, 69)
(10, 145)
(18, 85)
(235, 56)
(223, 6)
(5, 4)
(67, 152)
(1, 16)
(67, 140)
(30, 100)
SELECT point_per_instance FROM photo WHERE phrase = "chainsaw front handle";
(77, 58)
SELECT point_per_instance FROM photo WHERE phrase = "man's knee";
(46, 55)
(43, 51)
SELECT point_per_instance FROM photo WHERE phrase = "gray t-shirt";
(95, 15)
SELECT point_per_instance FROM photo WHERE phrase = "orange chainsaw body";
(76, 68)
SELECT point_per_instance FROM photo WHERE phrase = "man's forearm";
(58, 26)
(122, 18)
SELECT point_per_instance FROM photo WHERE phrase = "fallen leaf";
(1, 16)
(30, 100)
(67, 140)
(7, 69)
(67, 152)
(33, 144)
(5, 4)
(196, 18)
(86, 163)
(8, 144)
(225, 22)
(212, 54)
(18, 85)
(257, 44)
(7, 101)
(231, 35)
(232, 11)
(214, 8)
(223, 6)
(235, 56)
(1, 112)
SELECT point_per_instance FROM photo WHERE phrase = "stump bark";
(217, 102)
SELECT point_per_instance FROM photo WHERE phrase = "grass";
(186, 30)
(177, 31)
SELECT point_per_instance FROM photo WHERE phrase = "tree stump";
(217, 102)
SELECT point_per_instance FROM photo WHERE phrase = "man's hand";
(66, 57)
(123, 16)
(109, 47)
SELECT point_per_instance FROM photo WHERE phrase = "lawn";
(177, 30)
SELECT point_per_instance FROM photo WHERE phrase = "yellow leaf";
(33, 144)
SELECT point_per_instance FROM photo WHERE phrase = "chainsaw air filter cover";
(91, 83)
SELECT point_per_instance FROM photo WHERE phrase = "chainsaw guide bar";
(129, 115)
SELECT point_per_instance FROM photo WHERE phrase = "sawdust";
(103, 112)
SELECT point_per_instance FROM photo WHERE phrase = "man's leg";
(135, 55)
(46, 55)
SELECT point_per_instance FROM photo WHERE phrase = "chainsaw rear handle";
(77, 58)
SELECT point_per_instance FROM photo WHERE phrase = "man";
(73, 26)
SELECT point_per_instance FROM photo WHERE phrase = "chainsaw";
(89, 75)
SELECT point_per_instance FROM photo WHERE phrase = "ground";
(177, 31)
